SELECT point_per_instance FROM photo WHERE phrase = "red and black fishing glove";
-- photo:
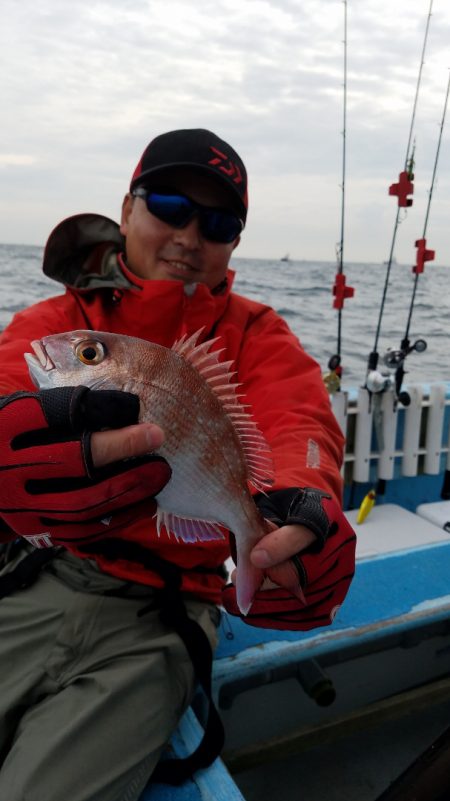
(50, 491)
(325, 568)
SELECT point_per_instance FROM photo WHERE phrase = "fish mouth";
(40, 365)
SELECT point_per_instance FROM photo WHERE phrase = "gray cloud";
(88, 85)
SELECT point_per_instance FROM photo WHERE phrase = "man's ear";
(127, 206)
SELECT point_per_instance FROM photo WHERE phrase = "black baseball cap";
(200, 150)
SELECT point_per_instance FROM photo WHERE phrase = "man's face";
(156, 250)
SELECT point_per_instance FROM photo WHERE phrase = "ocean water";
(301, 292)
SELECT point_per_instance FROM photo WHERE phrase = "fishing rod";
(395, 359)
(403, 189)
(340, 290)
(376, 381)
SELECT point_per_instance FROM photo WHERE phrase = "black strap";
(174, 615)
(26, 571)
(176, 771)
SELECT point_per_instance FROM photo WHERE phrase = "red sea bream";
(213, 446)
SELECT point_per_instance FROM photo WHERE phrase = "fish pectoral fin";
(188, 529)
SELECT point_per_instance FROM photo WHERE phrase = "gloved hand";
(325, 567)
(50, 491)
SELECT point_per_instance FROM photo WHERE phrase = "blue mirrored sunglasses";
(216, 225)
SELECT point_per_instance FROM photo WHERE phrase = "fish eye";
(90, 352)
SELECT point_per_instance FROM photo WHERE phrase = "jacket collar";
(163, 311)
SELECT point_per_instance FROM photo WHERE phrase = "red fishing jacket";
(282, 384)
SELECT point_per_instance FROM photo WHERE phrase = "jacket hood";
(81, 253)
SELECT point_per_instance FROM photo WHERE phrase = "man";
(93, 687)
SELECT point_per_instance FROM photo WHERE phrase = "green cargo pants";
(89, 692)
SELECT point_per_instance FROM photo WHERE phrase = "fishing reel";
(394, 360)
(332, 379)
(378, 382)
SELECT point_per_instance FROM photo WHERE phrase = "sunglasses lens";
(175, 210)
(220, 226)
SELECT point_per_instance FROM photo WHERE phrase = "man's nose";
(190, 235)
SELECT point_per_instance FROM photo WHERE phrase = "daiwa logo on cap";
(230, 169)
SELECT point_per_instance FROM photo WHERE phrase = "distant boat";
(285, 258)
(393, 261)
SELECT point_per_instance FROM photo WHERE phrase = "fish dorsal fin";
(219, 377)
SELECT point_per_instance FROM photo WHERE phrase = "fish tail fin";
(248, 581)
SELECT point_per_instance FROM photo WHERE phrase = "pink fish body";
(213, 446)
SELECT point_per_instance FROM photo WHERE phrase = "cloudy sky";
(86, 84)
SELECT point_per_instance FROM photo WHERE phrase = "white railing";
(409, 440)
